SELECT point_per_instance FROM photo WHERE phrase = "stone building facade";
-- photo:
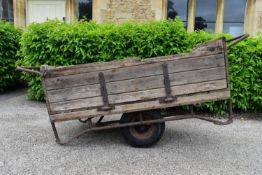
(26, 11)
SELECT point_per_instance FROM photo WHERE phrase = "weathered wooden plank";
(102, 66)
(200, 50)
(135, 72)
(210, 46)
(147, 105)
(139, 84)
(74, 93)
(116, 64)
(138, 95)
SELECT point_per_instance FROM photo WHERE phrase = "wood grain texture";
(199, 51)
(139, 84)
(134, 72)
(102, 66)
(147, 105)
(134, 85)
(138, 96)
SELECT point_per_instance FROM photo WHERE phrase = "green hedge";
(245, 68)
(57, 43)
(9, 45)
(245, 61)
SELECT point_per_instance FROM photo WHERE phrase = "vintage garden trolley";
(138, 89)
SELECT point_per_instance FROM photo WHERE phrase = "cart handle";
(29, 70)
(237, 40)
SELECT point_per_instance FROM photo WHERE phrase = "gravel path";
(27, 146)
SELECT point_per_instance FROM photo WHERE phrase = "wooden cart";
(138, 89)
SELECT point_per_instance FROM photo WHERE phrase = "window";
(205, 15)
(177, 8)
(234, 19)
(202, 14)
(6, 10)
(85, 9)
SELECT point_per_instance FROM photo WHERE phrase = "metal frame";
(99, 125)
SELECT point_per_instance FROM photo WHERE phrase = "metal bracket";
(168, 98)
(106, 106)
(211, 48)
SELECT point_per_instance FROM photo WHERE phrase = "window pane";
(234, 19)
(238, 13)
(235, 29)
(6, 10)
(205, 15)
(85, 9)
(177, 8)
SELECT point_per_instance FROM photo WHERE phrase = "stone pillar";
(164, 9)
(125, 10)
(97, 6)
(258, 17)
(220, 16)
(250, 17)
(20, 13)
(71, 10)
(191, 15)
(157, 8)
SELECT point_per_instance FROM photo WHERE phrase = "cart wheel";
(142, 135)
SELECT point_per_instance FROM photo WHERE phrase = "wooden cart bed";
(90, 90)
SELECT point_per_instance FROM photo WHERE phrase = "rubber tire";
(138, 142)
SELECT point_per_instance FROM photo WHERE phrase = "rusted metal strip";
(106, 106)
(169, 97)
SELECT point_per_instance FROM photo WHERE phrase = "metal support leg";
(191, 109)
(57, 139)
(73, 138)
(100, 119)
(90, 124)
(217, 122)
(230, 109)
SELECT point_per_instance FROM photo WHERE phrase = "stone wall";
(124, 10)
(258, 17)
(141, 10)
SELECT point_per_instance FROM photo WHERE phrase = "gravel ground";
(27, 146)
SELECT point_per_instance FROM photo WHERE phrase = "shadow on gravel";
(17, 90)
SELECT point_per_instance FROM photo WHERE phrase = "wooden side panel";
(138, 84)
(146, 105)
(135, 71)
(136, 96)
